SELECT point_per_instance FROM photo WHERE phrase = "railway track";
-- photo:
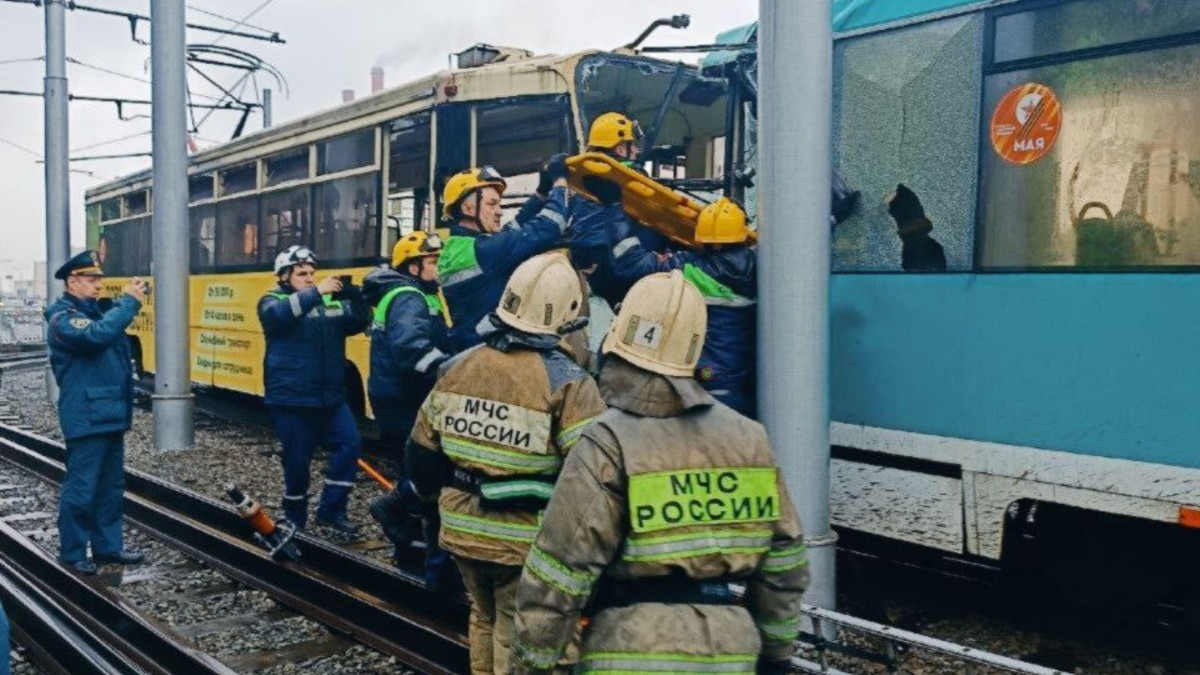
(882, 646)
(380, 607)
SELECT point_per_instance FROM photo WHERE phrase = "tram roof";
(513, 77)
(851, 15)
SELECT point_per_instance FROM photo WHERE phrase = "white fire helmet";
(660, 326)
(542, 295)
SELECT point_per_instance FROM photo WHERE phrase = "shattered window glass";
(694, 116)
(906, 112)
(1120, 187)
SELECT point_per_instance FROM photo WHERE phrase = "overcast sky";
(331, 45)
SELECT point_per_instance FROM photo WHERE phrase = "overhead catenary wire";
(112, 141)
(235, 22)
(246, 18)
(32, 59)
(38, 159)
(134, 18)
(134, 78)
(20, 147)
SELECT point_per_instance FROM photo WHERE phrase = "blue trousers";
(300, 431)
(91, 503)
(5, 645)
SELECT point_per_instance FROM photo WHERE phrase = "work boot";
(85, 566)
(339, 523)
(394, 516)
(119, 558)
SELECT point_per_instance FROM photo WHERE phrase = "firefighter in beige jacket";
(491, 438)
(667, 499)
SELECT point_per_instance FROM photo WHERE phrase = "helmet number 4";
(647, 334)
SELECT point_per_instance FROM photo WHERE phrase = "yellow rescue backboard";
(643, 199)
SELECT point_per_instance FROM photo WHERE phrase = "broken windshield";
(688, 140)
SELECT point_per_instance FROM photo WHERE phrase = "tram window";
(285, 218)
(110, 209)
(203, 232)
(352, 151)
(515, 137)
(286, 166)
(347, 218)
(239, 179)
(408, 176)
(200, 187)
(125, 247)
(237, 232)
(136, 203)
(906, 110)
(1119, 187)
(1088, 24)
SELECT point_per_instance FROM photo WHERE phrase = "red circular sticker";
(1025, 123)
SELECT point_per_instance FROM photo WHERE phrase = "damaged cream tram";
(348, 181)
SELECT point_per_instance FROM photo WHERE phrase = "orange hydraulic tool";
(378, 477)
(275, 537)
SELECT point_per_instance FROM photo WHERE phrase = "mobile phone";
(344, 278)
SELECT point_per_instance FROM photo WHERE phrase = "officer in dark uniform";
(90, 356)
(306, 323)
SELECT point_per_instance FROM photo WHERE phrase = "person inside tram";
(919, 251)
(595, 224)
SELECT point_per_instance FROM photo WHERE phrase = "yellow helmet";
(721, 222)
(661, 326)
(467, 181)
(612, 129)
(416, 245)
(542, 295)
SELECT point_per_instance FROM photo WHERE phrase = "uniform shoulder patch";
(81, 322)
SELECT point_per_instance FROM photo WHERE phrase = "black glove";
(605, 191)
(552, 170)
(773, 667)
(905, 206)
(349, 292)
(842, 199)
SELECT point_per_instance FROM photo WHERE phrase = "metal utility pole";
(795, 85)
(172, 380)
(58, 176)
(266, 108)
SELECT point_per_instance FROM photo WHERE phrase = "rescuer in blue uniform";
(723, 268)
(90, 356)
(596, 225)
(408, 342)
(481, 253)
(304, 373)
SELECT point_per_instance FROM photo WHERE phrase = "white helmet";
(661, 326)
(293, 255)
(542, 295)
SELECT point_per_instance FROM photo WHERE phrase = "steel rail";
(376, 605)
(82, 627)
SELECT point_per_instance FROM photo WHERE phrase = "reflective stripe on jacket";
(501, 410)
(408, 338)
(474, 267)
(305, 361)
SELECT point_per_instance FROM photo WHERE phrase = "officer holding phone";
(89, 354)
